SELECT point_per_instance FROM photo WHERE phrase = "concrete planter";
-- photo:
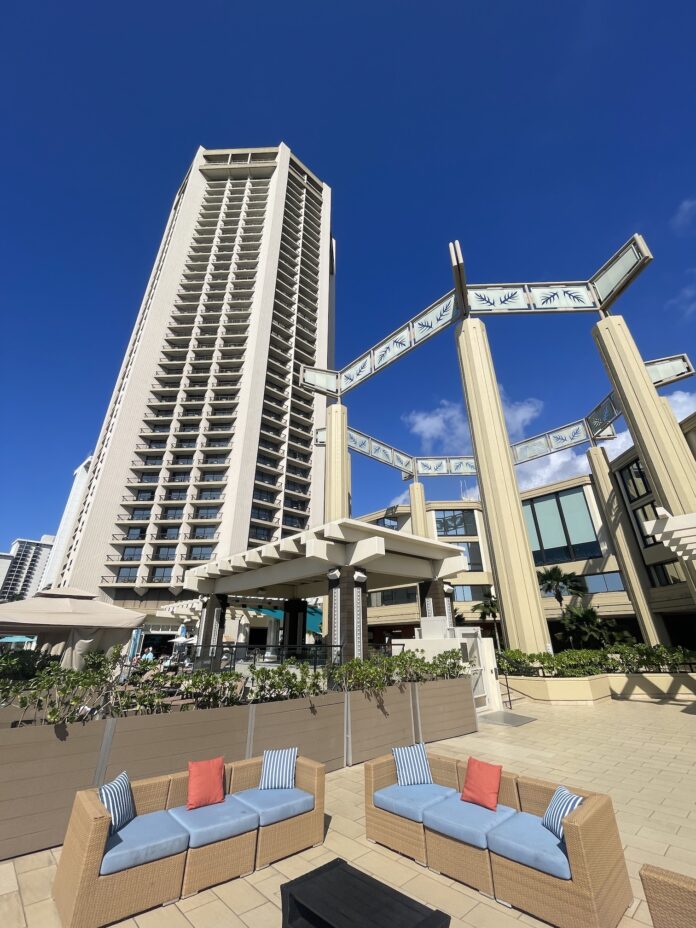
(377, 722)
(563, 690)
(671, 687)
(445, 709)
(315, 726)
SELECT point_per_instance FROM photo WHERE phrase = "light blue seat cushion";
(524, 839)
(216, 822)
(144, 839)
(465, 821)
(411, 801)
(275, 805)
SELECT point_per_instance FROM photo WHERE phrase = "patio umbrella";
(70, 622)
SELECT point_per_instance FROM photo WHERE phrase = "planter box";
(41, 768)
(151, 745)
(670, 687)
(316, 726)
(562, 690)
(378, 722)
(445, 709)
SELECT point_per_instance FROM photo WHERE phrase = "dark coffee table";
(339, 896)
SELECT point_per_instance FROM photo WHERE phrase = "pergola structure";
(344, 559)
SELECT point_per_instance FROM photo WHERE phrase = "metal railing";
(229, 655)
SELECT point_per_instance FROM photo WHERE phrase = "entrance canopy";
(297, 567)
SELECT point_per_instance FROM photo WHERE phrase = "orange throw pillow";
(206, 782)
(482, 783)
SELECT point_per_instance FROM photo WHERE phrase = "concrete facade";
(206, 448)
(23, 567)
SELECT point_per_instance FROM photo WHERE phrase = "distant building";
(26, 562)
(66, 527)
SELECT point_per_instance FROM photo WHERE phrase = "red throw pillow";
(206, 782)
(482, 783)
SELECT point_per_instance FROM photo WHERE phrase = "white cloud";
(683, 403)
(685, 216)
(554, 467)
(685, 301)
(445, 429)
(618, 445)
(401, 500)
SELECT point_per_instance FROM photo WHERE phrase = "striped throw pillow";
(562, 803)
(412, 767)
(117, 796)
(278, 769)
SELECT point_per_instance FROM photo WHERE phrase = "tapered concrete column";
(513, 566)
(628, 554)
(337, 482)
(659, 441)
(420, 524)
(294, 622)
(212, 627)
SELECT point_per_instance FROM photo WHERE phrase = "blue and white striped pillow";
(562, 803)
(117, 796)
(412, 767)
(278, 769)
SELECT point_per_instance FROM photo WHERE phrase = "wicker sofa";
(196, 849)
(583, 883)
(671, 897)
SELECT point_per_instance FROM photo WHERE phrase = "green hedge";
(624, 658)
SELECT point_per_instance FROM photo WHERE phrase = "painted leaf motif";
(485, 299)
(573, 296)
(550, 297)
(508, 297)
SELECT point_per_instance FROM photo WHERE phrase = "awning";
(313, 616)
(15, 639)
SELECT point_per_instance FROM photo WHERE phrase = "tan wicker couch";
(671, 897)
(294, 834)
(401, 834)
(85, 899)
(596, 896)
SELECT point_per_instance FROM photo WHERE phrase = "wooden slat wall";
(315, 726)
(446, 709)
(379, 722)
(41, 768)
(150, 745)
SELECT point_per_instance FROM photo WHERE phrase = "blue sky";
(540, 134)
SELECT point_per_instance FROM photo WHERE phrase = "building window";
(200, 552)
(213, 477)
(387, 522)
(209, 494)
(173, 512)
(259, 533)
(469, 594)
(135, 534)
(609, 582)
(165, 553)
(169, 533)
(208, 512)
(265, 515)
(145, 496)
(666, 574)
(203, 531)
(455, 522)
(399, 597)
(183, 459)
(472, 553)
(130, 553)
(635, 481)
(127, 574)
(161, 575)
(645, 513)
(176, 494)
(560, 528)
(148, 478)
(138, 514)
(180, 476)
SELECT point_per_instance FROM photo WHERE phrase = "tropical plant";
(557, 583)
(581, 625)
(488, 608)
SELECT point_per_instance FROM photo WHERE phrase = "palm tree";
(590, 629)
(488, 609)
(554, 581)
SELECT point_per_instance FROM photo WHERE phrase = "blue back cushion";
(562, 803)
(278, 769)
(412, 767)
(117, 797)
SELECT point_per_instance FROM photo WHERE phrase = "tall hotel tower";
(207, 445)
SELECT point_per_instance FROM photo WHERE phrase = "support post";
(294, 623)
(659, 441)
(618, 522)
(513, 566)
(213, 627)
(420, 524)
(348, 611)
(337, 479)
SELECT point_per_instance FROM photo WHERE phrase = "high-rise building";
(67, 525)
(23, 567)
(206, 448)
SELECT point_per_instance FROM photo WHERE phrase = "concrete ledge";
(663, 687)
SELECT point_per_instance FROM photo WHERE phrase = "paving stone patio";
(643, 754)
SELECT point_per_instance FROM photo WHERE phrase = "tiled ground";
(644, 755)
